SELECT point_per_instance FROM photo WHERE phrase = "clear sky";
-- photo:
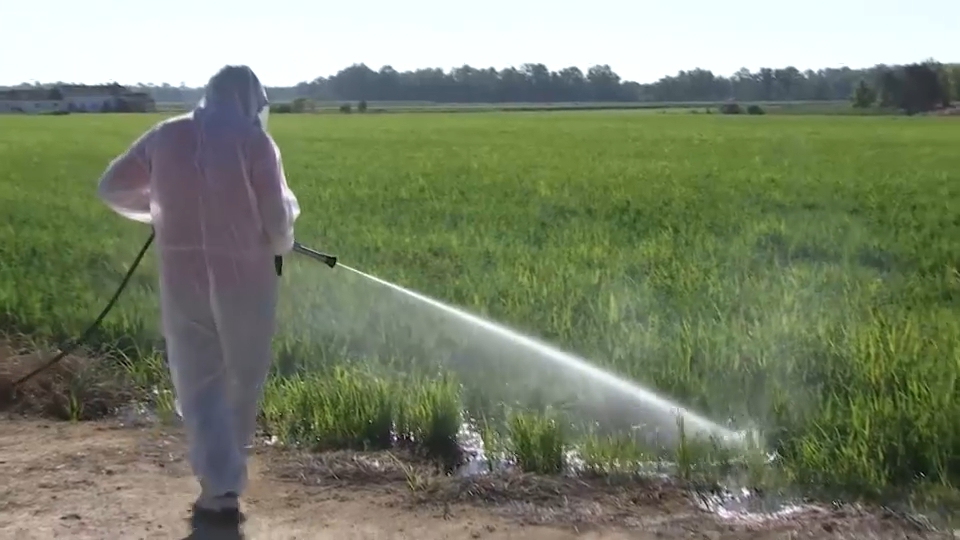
(288, 41)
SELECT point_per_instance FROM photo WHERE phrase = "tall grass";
(797, 275)
(537, 442)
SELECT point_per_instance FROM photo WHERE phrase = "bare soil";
(75, 388)
(103, 480)
(107, 479)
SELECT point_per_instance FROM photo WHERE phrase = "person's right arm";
(277, 204)
(125, 185)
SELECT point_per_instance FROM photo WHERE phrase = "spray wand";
(329, 260)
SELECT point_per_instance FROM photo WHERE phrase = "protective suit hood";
(235, 93)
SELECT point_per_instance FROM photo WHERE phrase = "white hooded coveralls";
(211, 182)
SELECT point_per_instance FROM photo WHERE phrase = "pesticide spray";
(663, 410)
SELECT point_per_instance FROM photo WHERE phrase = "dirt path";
(99, 481)
(102, 480)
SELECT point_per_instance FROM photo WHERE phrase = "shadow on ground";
(211, 529)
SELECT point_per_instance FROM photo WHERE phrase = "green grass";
(794, 274)
(537, 442)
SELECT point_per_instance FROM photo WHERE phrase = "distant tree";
(864, 96)
(888, 87)
(946, 85)
(955, 82)
(346, 108)
(767, 83)
(362, 106)
(755, 109)
(914, 88)
(921, 89)
(301, 105)
(731, 108)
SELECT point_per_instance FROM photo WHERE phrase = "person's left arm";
(125, 185)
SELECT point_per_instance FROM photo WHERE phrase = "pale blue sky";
(288, 41)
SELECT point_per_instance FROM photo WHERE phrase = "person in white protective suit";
(211, 183)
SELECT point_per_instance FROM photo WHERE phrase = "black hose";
(86, 333)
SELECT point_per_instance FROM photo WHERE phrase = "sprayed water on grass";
(526, 349)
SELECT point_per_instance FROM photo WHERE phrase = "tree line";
(913, 88)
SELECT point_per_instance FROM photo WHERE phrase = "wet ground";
(109, 480)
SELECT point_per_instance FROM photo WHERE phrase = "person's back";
(205, 192)
(211, 183)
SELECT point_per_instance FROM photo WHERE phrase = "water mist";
(645, 405)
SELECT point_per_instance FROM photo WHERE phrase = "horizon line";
(449, 70)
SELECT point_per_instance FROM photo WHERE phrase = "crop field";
(794, 275)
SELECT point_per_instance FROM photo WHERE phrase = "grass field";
(795, 274)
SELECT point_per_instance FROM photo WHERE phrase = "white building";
(30, 101)
(75, 98)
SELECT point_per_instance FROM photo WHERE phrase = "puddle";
(478, 462)
(747, 507)
(736, 505)
(139, 414)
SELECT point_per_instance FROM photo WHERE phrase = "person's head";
(237, 90)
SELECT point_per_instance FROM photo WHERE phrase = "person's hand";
(278, 264)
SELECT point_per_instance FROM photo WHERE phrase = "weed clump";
(429, 417)
(536, 442)
(74, 389)
(350, 408)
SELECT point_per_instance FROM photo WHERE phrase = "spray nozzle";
(329, 260)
